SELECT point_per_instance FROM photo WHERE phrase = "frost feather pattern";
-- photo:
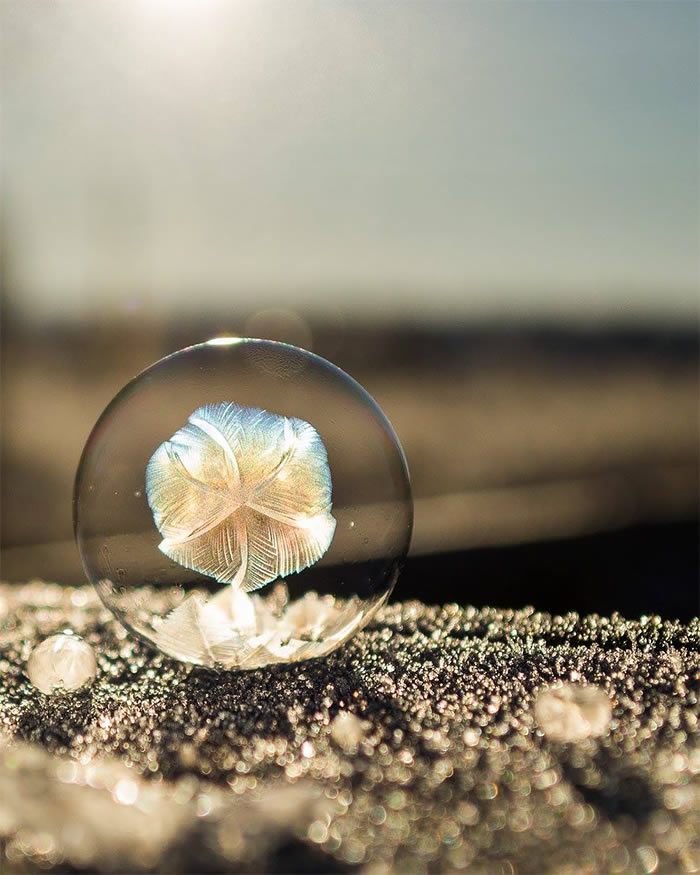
(242, 495)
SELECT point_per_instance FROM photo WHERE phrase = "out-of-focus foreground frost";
(103, 817)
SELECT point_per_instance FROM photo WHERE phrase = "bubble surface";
(257, 486)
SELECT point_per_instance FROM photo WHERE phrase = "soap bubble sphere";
(61, 663)
(241, 503)
(572, 712)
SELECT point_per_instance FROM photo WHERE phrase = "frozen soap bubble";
(241, 503)
(572, 712)
(61, 663)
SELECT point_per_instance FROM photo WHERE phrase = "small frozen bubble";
(572, 712)
(61, 662)
(347, 731)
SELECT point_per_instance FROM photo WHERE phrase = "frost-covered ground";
(428, 743)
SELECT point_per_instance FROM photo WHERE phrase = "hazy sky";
(422, 159)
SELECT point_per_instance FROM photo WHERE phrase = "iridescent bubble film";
(258, 487)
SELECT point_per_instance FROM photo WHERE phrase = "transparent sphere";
(241, 503)
(61, 663)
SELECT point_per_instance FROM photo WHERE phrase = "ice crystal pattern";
(242, 495)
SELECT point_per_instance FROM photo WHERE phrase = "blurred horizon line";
(362, 307)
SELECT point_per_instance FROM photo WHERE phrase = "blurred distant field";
(512, 436)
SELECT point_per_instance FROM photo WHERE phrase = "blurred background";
(485, 212)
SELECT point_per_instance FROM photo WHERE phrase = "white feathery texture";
(242, 495)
